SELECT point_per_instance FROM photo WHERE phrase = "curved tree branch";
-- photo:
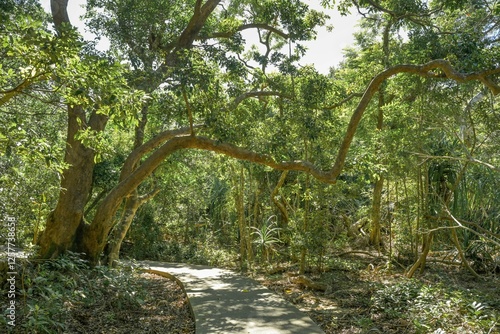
(98, 230)
(95, 234)
(263, 26)
(247, 95)
(10, 93)
(425, 70)
(138, 153)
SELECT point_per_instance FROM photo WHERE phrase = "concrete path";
(225, 302)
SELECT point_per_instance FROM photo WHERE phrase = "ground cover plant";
(359, 295)
(66, 296)
(187, 140)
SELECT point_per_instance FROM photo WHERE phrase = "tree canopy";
(88, 138)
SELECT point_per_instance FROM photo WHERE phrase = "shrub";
(47, 293)
(434, 308)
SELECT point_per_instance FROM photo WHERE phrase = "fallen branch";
(361, 252)
(308, 283)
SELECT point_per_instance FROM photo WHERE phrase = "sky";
(324, 52)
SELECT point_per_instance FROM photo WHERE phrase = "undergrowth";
(47, 293)
(435, 308)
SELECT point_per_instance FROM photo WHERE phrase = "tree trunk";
(456, 242)
(280, 204)
(132, 203)
(121, 228)
(423, 257)
(375, 237)
(305, 227)
(251, 205)
(76, 183)
(76, 180)
(240, 207)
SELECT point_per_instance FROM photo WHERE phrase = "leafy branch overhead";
(183, 76)
(203, 135)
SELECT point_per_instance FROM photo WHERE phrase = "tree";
(182, 55)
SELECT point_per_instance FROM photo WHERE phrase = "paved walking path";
(225, 302)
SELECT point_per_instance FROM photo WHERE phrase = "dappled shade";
(225, 302)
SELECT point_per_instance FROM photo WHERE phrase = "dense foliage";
(198, 136)
(427, 146)
(66, 295)
(397, 148)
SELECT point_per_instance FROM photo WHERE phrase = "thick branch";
(240, 153)
(98, 230)
(245, 27)
(59, 12)
(95, 201)
(326, 176)
(425, 70)
(193, 28)
(139, 152)
(197, 7)
(247, 95)
(9, 94)
(236, 152)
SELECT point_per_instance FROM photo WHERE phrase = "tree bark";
(375, 235)
(305, 226)
(76, 183)
(240, 207)
(456, 242)
(133, 203)
(59, 12)
(423, 257)
(190, 33)
(76, 180)
(281, 207)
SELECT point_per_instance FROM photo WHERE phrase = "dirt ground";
(165, 309)
(341, 299)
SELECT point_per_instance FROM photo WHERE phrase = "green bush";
(47, 292)
(434, 308)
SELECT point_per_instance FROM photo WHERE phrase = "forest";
(374, 187)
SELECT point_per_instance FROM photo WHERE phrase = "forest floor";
(66, 296)
(359, 294)
(355, 294)
(352, 294)
(163, 308)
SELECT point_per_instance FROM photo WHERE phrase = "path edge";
(176, 280)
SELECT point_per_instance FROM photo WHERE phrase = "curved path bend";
(224, 302)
